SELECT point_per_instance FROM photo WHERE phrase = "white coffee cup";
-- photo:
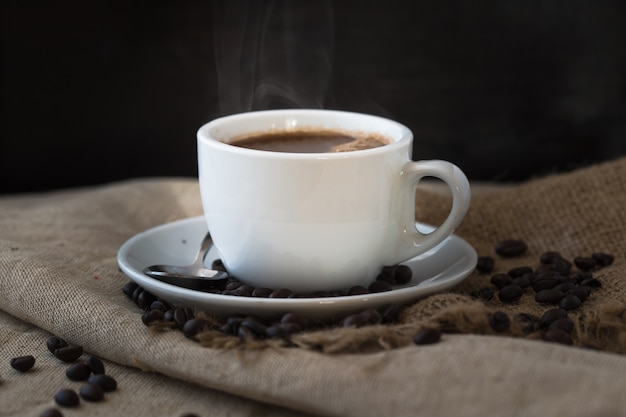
(317, 221)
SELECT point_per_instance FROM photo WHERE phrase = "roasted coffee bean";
(403, 274)
(372, 316)
(106, 382)
(427, 337)
(51, 412)
(276, 331)
(357, 290)
(519, 271)
(580, 276)
(581, 292)
(95, 365)
(68, 353)
(232, 285)
(129, 288)
(565, 287)
(144, 299)
(193, 327)
(511, 248)
(244, 290)
(379, 286)
(159, 305)
(523, 281)
(182, 315)
(501, 280)
(562, 266)
(66, 398)
(152, 316)
(566, 324)
(168, 315)
(591, 282)
(23, 363)
(499, 321)
(387, 275)
(541, 284)
(584, 263)
(570, 302)
(557, 336)
(485, 264)
(262, 292)
(78, 371)
(603, 259)
(91, 392)
(246, 333)
(355, 320)
(281, 293)
(254, 324)
(53, 343)
(291, 328)
(549, 257)
(298, 319)
(484, 294)
(549, 296)
(510, 293)
(551, 316)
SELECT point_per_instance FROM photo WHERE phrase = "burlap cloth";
(59, 275)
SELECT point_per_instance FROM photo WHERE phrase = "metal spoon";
(195, 276)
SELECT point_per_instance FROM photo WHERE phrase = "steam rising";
(273, 54)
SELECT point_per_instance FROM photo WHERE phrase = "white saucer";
(176, 243)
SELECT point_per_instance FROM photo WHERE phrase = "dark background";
(99, 91)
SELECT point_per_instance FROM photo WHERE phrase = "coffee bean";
(193, 327)
(254, 324)
(68, 353)
(427, 337)
(387, 275)
(244, 290)
(51, 412)
(485, 263)
(66, 398)
(484, 294)
(603, 259)
(182, 315)
(549, 296)
(591, 282)
(281, 293)
(519, 271)
(78, 371)
(372, 316)
(232, 284)
(379, 286)
(501, 280)
(262, 292)
(565, 287)
(152, 316)
(144, 299)
(106, 382)
(510, 293)
(582, 292)
(562, 266)
(552, 315)
(510, 248)
(159, 305)
(570, 302)
(95, 365)
(528, 322)
(23, 363)
(357, 290)
(277, 331)
(499, 321)
(390, 313)
(584, 263)
(549, 257)
(300, 320)
(355, 320)
(541, 284)
(565, 324)
(557, 336)
(129, 288)
(53, 343)
(291, 328)
(91, 392)
(218, 265)
(403, 274)
(523, 281)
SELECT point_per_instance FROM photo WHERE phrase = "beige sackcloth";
(59, 276)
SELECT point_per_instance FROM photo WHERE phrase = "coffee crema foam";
(311, 141)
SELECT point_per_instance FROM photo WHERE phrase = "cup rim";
(205, 137)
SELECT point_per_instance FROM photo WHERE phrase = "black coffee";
(305, 141)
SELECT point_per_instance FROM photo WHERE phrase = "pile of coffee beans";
(558, 283)
(90, 371)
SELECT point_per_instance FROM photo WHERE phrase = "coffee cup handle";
(413, 172)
